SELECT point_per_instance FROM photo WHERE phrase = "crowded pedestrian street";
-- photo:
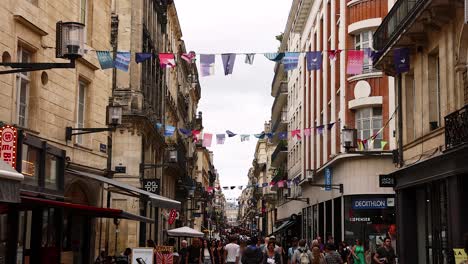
(233, 132)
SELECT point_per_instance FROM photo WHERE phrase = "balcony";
(280, 98)
(402, 14)
(279, 155)
(280, 174)
(456, 128)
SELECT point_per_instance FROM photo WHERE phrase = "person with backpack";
(302, 255)
(292, 249)
(252, 253)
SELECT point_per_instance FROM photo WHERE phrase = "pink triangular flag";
(207, 138)
(355, 62)
(333, 53)
(307, 132)
(296, 133)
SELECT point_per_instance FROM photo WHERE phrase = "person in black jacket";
(271, 256)
(252, 254)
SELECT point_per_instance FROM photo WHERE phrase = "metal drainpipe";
(400, 123)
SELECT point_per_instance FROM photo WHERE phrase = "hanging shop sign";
(8, 142)
(371, 203)
(172, 216)
(386, 181)
(328, 179)
(152, 185)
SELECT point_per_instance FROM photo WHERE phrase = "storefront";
(49, 224)
(369, 218)
(431, 207)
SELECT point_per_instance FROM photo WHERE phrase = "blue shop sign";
(373, 203)
(328, 179)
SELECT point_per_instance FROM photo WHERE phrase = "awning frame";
(156, 200)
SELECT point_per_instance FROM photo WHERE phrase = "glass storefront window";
(30, 165)
(51, 171)
(369, 219)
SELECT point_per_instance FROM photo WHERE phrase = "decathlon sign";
(372, 203)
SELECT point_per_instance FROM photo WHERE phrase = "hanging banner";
(105, 59)
(290, 60)
(141, 57)
(249, 58)
(328, 179)
(401, 60)
(207, 62)
(314, 60)
(355, 62)
(228, 62)
(172, 216)
(167, 60)
(8, 142)
(122, 60)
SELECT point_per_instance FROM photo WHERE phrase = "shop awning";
(156, 200)
(81, 209)
(10, 181)
(284, 226)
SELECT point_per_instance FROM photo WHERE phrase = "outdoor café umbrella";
(185, 232)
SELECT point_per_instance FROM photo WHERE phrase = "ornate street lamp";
(349, 138)
(69, 44)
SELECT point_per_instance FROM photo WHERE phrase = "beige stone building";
(431, 182)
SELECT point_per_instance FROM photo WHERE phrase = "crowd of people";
(269, 251)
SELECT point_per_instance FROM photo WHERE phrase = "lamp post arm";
(28, 67)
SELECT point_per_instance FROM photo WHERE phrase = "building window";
(83, 11)
(81, 108)
(434, 90)
(362, 41)
(23, 81)
(368, 123)
(30, 165)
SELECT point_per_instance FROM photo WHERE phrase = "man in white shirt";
(231, 252)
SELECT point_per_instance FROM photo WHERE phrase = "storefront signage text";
(386, 181)
(359, 219)
(8, 141)
(151, 185)
(377, 203)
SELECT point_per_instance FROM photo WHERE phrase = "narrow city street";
(233, 132)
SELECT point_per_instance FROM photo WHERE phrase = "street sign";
(120, 169)
(386, 181)
(152, 185)
(328, 179)
(102, 148)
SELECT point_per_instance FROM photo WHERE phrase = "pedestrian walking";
(271, 256)
(358, 253)
(385, 254)
(218, 252)
(331, 256)
(182, 251)
(344, 251)
(206, 253)
(302, 255)
(292, 249)
(253, 253)
(193, 252)
(231, 251)
(317, 256)
(101, 259)
(242, 246)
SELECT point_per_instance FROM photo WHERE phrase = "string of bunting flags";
(298, 134)
(279, 184)
(290, 60)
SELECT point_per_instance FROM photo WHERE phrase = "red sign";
(172, 216)
(8, 141)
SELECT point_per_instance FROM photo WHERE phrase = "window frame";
(371, 118)
(358, 45)
(81, 106)
(20, 77)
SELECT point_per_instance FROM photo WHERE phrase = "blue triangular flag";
(260, 136)
(269, 135)
(274, 56)
(105, 59)
(230, 134)
(290, 60)
(158, 125)
(401, 60)
(122, 60)
(185, 132)
(283, 135)
(141, 57)
(228, 62)
(169, 131)
(314, 60)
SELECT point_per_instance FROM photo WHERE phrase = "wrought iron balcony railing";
(395, 22)
(456, 128)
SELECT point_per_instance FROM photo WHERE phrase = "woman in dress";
(271, 256)
(206, 253)
(358, 253)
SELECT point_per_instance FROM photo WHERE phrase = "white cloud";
(240, 102)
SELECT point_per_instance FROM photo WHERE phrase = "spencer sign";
(8, 141)
(372, 203)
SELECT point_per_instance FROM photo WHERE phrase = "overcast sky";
(240, 102)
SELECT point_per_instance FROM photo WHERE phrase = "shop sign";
(359, 219)
(386, 181)
(151, 185)
(373, 203)
(8, 141)
(172, 216)
(328, 179)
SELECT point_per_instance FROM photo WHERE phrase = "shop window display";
(369, 219)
